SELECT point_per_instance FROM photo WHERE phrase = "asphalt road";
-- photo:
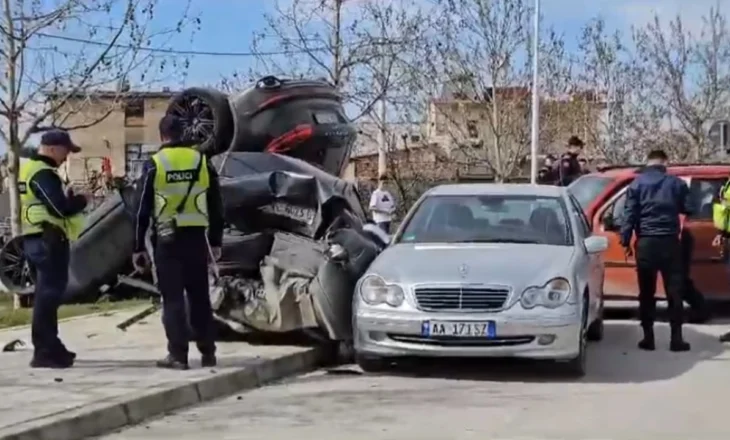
(627, 395)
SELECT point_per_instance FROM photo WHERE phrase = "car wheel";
(577, 366)
(595, 330)
(372, 364)
(206, 116)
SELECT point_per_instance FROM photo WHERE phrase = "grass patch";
(12, 318)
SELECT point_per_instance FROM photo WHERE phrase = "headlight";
(374, 291)
(551, 295)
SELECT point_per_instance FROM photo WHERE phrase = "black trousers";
(690, 293)
(182, 275)
(654, 255)
(49, 256)
(385, 226)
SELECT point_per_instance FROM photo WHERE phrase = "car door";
(594, 262)
(708, 270)
(620, 275)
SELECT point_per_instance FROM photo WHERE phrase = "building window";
(415, 138)
(133, 113)
(471, 127)
(135, 155)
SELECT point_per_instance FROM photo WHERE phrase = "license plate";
(298, 213)
(467, 329)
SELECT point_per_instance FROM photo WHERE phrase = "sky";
(227, 25)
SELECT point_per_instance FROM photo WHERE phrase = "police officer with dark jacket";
(568, 168)
(654, 202)
(180, 194)
(50, 218)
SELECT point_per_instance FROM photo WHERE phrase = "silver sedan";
(484, 270)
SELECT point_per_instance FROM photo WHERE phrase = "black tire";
(595, 330)
(578, 366)
(15, 273)
(207, 116)
(371, 364)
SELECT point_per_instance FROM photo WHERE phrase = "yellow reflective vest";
(33, 213)
(721, 209)
(176, 167)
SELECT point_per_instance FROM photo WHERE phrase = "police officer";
(179, 193)
(50, 218)
(721, 220)
(654, 202)
(567, 168)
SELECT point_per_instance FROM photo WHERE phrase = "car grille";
(461, 298)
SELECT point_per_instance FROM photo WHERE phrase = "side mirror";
(596, 244)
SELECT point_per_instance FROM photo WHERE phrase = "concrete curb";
(104, 417)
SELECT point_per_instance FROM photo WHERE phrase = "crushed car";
(297, 238)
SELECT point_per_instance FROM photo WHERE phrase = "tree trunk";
(12, 187)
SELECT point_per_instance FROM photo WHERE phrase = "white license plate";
(298, 213)
(459, 329)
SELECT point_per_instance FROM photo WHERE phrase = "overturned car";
(296, 238)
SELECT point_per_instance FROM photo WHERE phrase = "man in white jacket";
(382, 206)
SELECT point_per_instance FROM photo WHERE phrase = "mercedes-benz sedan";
(484, 270)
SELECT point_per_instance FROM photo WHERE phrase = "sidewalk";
(114, 381)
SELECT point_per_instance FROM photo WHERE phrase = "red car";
(603, 195)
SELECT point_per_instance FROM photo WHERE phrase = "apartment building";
(121, 129)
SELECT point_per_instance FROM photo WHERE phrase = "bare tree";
(55, 51)
(611, 107)
(688, 77)
(482, 56)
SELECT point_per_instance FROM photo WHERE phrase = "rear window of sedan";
(488, 219)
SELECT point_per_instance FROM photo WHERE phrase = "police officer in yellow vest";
(721, 219)
(50, 218)
(179, 193)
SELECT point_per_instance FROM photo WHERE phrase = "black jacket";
(146, 197)
(567, 169)
(48, 188)
(654, 201)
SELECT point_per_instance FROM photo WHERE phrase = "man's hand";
(215, 253)
(140, 261)
(718, 241)
(628, 252)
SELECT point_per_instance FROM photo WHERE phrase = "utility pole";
(383, 117)
(535, 95)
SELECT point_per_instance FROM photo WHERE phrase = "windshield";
(489, 219)
(587, 188)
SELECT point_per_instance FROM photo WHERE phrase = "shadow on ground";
(614, 360)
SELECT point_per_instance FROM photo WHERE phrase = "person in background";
(567, 169)
(181, 195)
(654, 202)
(382, 205)
(546, 175)
(583, 163)
(48, 214)
(721, 220)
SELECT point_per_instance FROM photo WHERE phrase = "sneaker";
(208, 360)
(171, 363)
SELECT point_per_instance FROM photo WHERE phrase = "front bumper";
(554, 334)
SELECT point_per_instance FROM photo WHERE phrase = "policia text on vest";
(179, 202)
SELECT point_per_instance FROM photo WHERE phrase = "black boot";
(677, 342)
(648, 342)
(725, 337)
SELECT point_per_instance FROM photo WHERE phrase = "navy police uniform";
(179, 194)
(50, 219)
(654, 202)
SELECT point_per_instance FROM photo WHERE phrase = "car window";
(489, 218)
(587, 188)
(580, 214)
(701, 193)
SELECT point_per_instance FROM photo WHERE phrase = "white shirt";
(382, 206)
